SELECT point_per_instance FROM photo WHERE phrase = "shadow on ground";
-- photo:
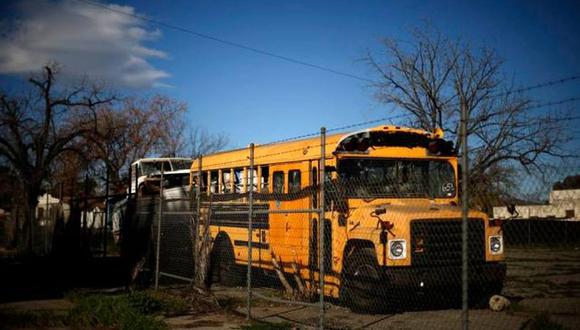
(49, 277)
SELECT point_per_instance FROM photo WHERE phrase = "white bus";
(150, 168)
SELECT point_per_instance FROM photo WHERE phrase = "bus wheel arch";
(354, 244)
(360, 269)
(223, 265)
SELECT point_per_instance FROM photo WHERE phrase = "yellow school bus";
(391, 220)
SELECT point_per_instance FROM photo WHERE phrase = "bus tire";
(360, 272)
(223, 264)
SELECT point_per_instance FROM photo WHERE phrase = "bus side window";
(204, 182)
(253, 186)
(264, 180)
(238, 180)
(294, 181)
(278, 180)
(226, 181)
(213, 188)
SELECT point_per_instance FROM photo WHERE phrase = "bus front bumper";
(424, 278)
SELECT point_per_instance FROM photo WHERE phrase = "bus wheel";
(223, 265)
(360, 278)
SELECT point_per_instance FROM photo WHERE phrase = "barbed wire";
(336, 129)
(523, 89)
(541, 85)
(549, 83)
(553, 103)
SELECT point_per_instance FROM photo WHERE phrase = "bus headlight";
(397, 249)
(496, 244)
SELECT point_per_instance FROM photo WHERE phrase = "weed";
(112, 311)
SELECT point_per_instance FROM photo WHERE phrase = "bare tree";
(145, 127)
(202, 142)
(134, 129)
(36, 128)
(433, 77)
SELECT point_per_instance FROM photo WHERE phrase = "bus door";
(287, 229)
(277, 230)
(313, 218)
(297, 224)
(313, 241)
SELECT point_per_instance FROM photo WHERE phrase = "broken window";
(238, 180)
(264, 179)
(213, 186)
(204, 182)
(226, 181)
(253, 185)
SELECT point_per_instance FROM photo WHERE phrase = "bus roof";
(159, 159)
(298, 150)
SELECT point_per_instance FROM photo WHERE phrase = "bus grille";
(438, 242)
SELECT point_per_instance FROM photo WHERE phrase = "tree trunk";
(30, 219)
(203, 250)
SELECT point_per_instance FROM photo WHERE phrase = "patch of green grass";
(136, 310)
(542, 322)
(268, 326)
(155, 302)
(112, 311)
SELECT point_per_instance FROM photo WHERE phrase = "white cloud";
(83, 39)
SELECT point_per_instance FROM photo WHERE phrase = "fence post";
(135, 171)
(158, 245)
(106, 213)
(250, 218)
(85, 236)
(46, 224)
(464, 221)
(197, 215)
(321, 253)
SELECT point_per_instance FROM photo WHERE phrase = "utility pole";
(464, 219)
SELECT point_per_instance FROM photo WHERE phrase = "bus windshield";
(181, 164)
(151, 167)
(373, 178)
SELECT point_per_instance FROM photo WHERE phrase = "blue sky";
(255, 98)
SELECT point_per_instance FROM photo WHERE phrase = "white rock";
(498, 303)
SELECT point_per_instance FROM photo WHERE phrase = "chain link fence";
(368, 242)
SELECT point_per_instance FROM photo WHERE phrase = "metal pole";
(321, 223)
(250, 216)
(197, 216)
(106, 213)
(46, 217)
(135, 171)
(158, 247)
(85, 244)
(464, 220)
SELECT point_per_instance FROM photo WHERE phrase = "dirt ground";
(542, 284)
